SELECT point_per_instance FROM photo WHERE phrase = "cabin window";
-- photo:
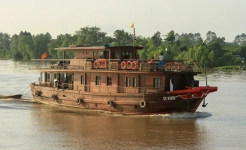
(98, 80)
(130, 55)
(48, 77)
(134, 82)
(64, 76)
(109, 81)
(127, 81)
(51, 77)
(126, 55)
(123, 55)
(112, 55)
(82, 79)
(157, 83)
(86, 52)
(117, 55)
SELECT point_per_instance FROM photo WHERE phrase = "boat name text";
(168, 98)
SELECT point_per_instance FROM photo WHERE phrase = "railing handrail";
(125, 64)
(105, 89)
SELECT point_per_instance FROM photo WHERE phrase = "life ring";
(134, 65)
(95, 64)
(109, 103)
(79, 101)
(142, 103)
(123, 65)
(128, 65)
(54, 97)
(102, 63)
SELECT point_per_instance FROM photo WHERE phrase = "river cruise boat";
(113, 78)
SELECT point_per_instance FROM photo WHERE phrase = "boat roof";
(88, 47)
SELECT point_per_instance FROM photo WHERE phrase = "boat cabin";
(116, 69)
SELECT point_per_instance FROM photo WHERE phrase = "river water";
(25, 124)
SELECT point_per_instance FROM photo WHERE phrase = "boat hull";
(139, 103)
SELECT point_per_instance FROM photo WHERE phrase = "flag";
(132, 25)
(44, 55)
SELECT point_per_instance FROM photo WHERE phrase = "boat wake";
(184, 115)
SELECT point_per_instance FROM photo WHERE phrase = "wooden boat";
(18, 96)
(95, 79)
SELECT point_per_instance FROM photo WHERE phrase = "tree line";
(212, 51)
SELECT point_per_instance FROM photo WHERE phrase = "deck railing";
(116, 64)
(99, 89)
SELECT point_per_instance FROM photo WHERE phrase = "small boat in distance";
(18, 96)
(113, 78)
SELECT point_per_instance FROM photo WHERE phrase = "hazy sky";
(224, 17)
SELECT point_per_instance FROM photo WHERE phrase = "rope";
(25, 89)
(28, 92)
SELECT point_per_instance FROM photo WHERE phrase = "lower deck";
(117, 82)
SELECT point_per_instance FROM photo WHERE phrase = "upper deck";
(115, 65)
(116, 58)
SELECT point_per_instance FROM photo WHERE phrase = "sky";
(224, 17)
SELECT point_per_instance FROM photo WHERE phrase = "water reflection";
(95, 130)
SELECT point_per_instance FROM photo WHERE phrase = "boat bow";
(194, 92)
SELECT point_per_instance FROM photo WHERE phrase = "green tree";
(25, 45)
(150, 49)
(142, 41)
(123, 38)
(90, 35)
(170, 37)
(240, 40)
(61, 41)
(5, 41)
(14, 48)
(41, 42)
(157, 39)
(210, 36)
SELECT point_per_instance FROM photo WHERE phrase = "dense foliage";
(212, 51)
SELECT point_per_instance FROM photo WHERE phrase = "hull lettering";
(169, 98)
